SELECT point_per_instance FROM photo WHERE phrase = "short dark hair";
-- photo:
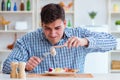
(52, 12)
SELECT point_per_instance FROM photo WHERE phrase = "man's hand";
(32, 63)
(75, 42)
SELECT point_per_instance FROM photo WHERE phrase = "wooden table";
(61, 75)
(115, 76)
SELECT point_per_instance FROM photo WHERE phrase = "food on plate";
(59, 70)
(52, 51)
(51, 69)
(62, 70)
(70, 70)
(56, 70)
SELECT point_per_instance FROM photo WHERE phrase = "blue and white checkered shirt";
(36, 44)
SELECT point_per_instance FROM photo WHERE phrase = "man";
(31, 47)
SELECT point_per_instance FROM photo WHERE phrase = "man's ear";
(64, 23)
(41, 24)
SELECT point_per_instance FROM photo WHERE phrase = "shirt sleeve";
(99, 41)
(19, 53)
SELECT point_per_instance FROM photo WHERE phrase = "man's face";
(54, 31)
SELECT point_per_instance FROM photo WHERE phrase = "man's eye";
(57, 28)
(47, 28)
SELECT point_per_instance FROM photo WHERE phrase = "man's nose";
(53, 32)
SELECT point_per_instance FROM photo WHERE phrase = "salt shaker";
(21, 72)
(14, 72)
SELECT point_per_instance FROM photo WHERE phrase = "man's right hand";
(32, 63)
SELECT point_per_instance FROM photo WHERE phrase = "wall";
(84, 6)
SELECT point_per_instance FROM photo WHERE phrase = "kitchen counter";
(113, 76)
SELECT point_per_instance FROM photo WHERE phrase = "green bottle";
(28, 5)
(8, 5)
(69, 23)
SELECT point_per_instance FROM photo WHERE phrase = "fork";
(52, 51)
(44, 55)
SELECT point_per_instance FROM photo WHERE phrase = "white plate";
(59, 73)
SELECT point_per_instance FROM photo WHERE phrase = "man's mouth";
(53, 37)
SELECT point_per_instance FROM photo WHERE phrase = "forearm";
(6, 66)
(103, 42)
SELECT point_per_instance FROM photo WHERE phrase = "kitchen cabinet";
(113, 16)
(16, 18)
